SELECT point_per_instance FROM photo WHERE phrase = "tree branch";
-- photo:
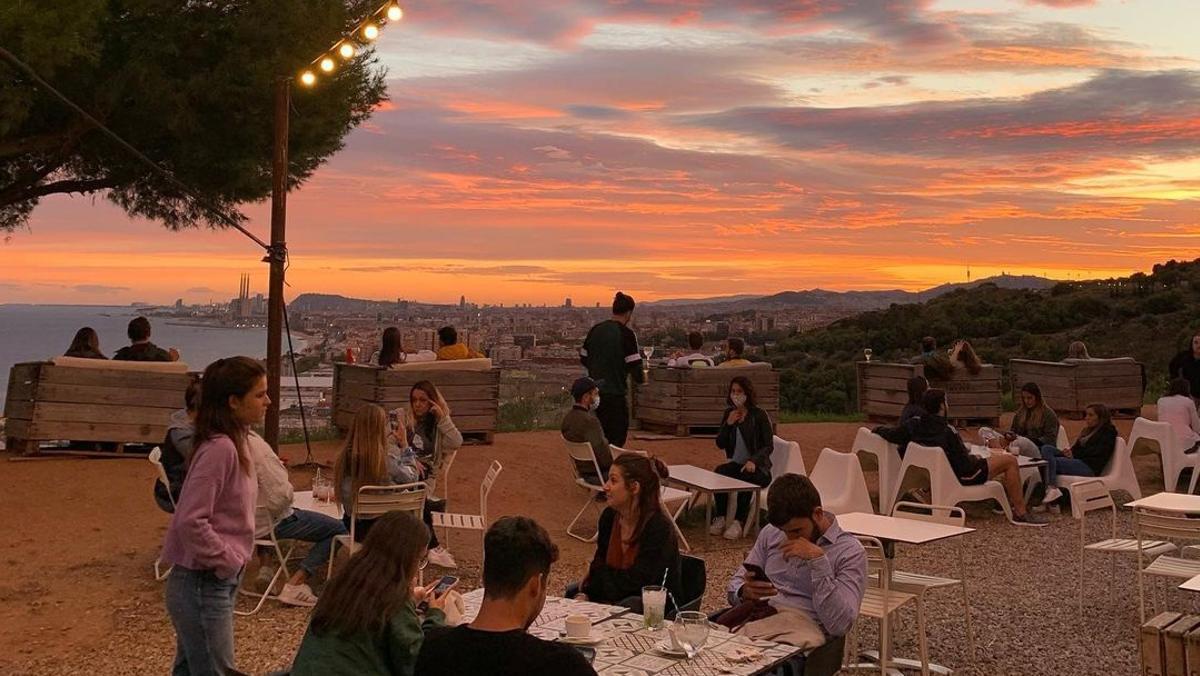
(14, 195)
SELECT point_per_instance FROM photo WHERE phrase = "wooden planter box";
(48, 402)
(1069, 387)
(473, 395)
(688, 401)
(883, 391)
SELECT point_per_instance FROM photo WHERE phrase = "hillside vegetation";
(1148, 317)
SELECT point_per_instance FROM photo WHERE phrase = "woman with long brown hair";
(85, 344)
(1090, 453)
(635, 541)
(434, 435)
(211, 534)
(962, 356)
(372, 456)
(367, 620)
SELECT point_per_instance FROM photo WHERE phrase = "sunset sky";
(541, 149)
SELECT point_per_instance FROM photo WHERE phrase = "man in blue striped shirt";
(816, 573)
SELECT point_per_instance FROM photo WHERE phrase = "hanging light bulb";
(394, 13)
(307, 78)
(327, 64)
(346, 50)
(370, 31)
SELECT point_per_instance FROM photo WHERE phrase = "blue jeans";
(1057, 463)
(201, 608)
(314, 527)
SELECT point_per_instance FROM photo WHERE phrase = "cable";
(170, 178)
(309, 460)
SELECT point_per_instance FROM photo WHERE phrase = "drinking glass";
(654, 606)
(691, 631)
(867, 353)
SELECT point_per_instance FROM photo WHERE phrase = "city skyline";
(569, 149)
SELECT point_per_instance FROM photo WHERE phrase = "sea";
(37, 332)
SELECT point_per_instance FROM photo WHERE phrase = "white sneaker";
(717, 527)
(734, 531)
(1053, 494)
(440, 556)
(298, 595)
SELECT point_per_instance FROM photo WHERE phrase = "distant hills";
(847, 300)
(1146, 316)
(326, 302)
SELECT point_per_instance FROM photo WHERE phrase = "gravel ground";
(1021, 584)
(94, 555)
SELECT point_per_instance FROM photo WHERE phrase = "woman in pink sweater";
(211, 535)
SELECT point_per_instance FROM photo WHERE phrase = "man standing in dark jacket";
(611, 354)
(1186, 364)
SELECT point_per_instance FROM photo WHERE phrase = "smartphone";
(589, 653)
(394, 417)
(756, 572)
(443, 585)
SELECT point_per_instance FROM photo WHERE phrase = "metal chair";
(269, 541)
(373, 502)
(476, 522)
(582, 452)
(155, 458)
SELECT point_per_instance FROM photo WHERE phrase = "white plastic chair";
(268, 541)
(879, 602)
(1174, 460)
(1118, 474)
(1091, 494)
(476, 522)
(670, 496)
(1169, 526)
(373, 502)
(785, 459)
(155, 458)
(840, 481)
(887, 459)
(582, 451)
(944, 488)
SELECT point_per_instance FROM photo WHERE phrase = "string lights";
(348, 47)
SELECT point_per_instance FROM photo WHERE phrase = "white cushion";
(152, 366)
(481, 364)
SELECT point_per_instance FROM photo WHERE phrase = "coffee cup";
(578, 626)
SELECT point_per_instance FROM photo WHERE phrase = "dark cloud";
(903, 22)
(99, 288)
(598, 112)
(201, 289)
(1115, 113)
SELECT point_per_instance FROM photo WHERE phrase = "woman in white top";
(1179, 409)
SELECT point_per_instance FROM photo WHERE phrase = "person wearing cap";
(611, 355)
(580, 424)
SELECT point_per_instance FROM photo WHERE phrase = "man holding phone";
(811, 572)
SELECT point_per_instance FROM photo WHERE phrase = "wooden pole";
(277, 257)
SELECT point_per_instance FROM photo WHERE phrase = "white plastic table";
(888, 530)
(709, 483)
(1180, 503)
(305, 500)
(1192, 585)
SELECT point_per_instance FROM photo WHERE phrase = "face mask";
(738, 400)
(595, 403)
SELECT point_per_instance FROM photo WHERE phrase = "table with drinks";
(628, 644)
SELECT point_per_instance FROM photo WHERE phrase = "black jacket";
(658, 551)
(756, 430)
(933, 431)
(1186, 365)
(1098, 449)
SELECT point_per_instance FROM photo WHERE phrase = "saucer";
(594, 639)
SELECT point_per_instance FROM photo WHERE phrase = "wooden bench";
(691, 400)
(91, 400)
(1070, 386)
(883, 392)
(472, 393)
